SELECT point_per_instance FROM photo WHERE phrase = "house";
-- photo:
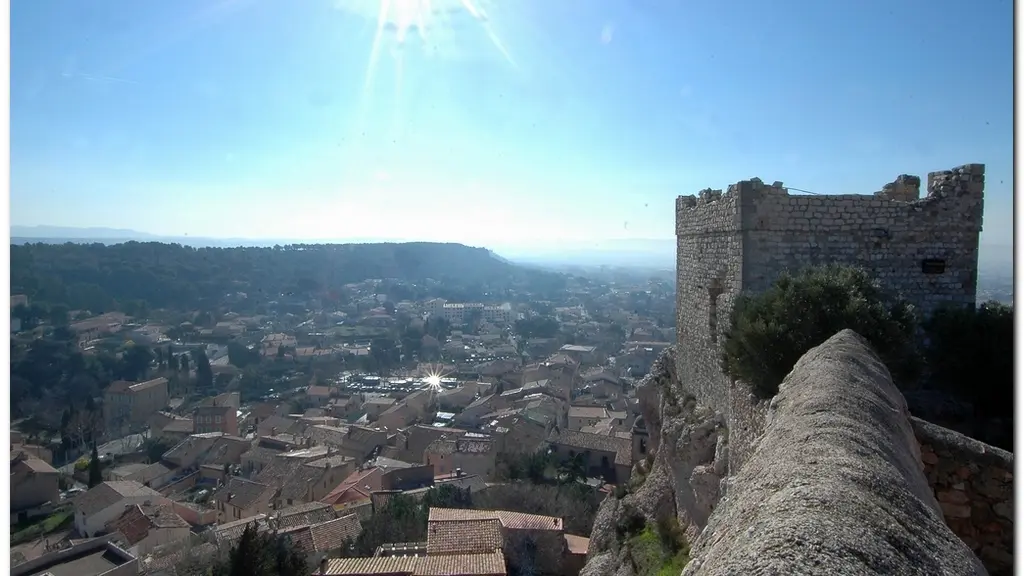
(129, 406)
(319, 395)
(177, 430)
(273, 425)
(153, 475)
(322, 539)
(297, 481)
(215, 419)
(581, 354)
(254, 460)
(399, 416)
(146, 527)
(472, 416)
(359, 441)
(374, 407)
(608, 457)
(33, 484)
(355, 489)
(242, 498)
(584, 416)
(106, 501)
(473, 543)
(93, 557)
(467, 454)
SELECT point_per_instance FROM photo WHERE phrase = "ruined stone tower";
(925, 249)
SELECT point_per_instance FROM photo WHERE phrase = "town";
(321, 417)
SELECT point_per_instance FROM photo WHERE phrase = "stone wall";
(834, 485)
(973, 483)
(926, 250)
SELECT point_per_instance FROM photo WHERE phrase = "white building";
(107, 501)
(458, 313)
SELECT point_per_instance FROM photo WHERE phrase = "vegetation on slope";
(127, 276)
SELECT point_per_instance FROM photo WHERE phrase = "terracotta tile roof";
(335, 533)
(509, 520)
(305, 514)
(106, 494)
(453, 565)
(232, 531)
(492, 564)
(476, 536)
(353, 488)
(587, 412)
(132, 524)
(136, 521)
(388, 565)
(621, 447)
(36, 465)
(461, 444)
(242, 493)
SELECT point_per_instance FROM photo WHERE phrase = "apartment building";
(128, 406)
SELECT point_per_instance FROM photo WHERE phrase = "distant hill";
(101, 277)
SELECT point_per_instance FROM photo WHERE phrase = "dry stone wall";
(973, 483)
(924, 249)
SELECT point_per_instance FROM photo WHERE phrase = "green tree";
(573, 469)
(59, 315)
(95, 470)
(262, 554)
(135, 362)
(204, 373)
(969, 353)
(769, 332)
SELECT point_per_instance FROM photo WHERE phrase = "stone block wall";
(973, 483)
(926, 250)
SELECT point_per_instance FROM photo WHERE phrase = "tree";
(135, 362)
(262, 554)
(240, 355)
(769, 332)
(95, 470)
(59, 315)
(573, 469)
(969, 353)
(204, 373)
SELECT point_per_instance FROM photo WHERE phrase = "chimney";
(323, 566)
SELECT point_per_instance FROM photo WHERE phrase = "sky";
(489, 122)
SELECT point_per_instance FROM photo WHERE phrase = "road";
(125, 445)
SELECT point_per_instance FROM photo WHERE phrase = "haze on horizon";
(489, 123)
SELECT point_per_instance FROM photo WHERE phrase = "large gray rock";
(835, 484)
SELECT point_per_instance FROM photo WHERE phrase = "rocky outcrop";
(835, 484)
(833, 481)
(681, 479)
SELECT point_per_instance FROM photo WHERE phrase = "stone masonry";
(973, 483)
(924, 249)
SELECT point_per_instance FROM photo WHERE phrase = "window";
(643, 446)
(933, 266)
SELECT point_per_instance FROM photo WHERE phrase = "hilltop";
(99, 277)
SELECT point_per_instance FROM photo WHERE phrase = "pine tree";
(95, 472)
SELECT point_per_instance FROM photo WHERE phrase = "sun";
(433, 381)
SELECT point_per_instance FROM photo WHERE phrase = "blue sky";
(493, 123)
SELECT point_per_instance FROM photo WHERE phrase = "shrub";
(970, 355)
(630, 522)
(769, 332)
